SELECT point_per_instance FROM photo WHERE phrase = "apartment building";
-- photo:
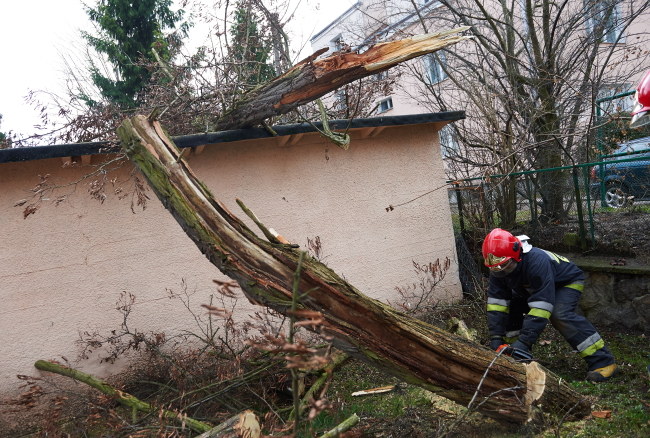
(576, 52)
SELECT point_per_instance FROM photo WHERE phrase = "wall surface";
(63, 269)
(616, 296)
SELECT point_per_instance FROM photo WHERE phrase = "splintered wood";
(313, 78)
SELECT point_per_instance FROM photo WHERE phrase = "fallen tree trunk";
(418, 353)
(313, 78)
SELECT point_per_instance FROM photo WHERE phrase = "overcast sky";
(36, 34)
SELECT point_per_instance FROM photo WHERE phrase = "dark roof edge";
(194, 140)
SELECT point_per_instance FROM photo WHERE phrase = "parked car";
(627, 181)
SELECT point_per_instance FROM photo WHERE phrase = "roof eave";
(195, 140)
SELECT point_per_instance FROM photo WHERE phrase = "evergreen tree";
(250, 49)
(127, 32)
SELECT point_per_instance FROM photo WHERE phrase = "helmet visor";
(640, 117)
(493, 262)
(505, 268)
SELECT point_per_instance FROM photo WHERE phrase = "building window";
(337, 44)
(385, 105)
(448, 142)
(620, 104)
(434, 67)
(381, 76)
(340, 100)
(604, 20)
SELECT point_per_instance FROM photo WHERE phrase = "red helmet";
(500, 246)
(641, 113)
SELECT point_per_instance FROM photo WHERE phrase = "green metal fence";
(550, 203)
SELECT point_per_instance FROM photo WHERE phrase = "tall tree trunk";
(416, 352)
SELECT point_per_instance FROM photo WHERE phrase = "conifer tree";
(250, 48)
(128, 30)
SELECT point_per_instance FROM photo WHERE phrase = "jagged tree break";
(312, 78)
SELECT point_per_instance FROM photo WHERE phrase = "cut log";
(410, 349)
(313, 78)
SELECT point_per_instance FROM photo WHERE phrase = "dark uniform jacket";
(535, 280)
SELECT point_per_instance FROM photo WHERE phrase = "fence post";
(590, 211)
(581, 224)
(487, 215)
(532, 201)
(459, 201)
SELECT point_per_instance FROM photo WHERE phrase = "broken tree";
(313, 78)
(416, 352)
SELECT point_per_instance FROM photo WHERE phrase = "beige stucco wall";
(62, 269)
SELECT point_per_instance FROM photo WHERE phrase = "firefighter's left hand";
(521, 352)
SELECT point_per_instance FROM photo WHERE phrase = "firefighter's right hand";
(504, 348)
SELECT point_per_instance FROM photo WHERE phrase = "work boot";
(602, 374)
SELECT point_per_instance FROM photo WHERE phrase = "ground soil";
(628, 232)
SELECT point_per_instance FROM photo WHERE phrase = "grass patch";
(634, 208)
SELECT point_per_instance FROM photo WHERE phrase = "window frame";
(389, 107)
(448, 141)
(613, 30)
(337, 43)
(435, 62)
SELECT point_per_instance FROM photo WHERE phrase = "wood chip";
(602, 414)
(374, 390)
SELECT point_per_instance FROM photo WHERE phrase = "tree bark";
(313, 78)
(376, 333)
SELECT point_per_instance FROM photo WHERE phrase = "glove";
(521, 352)
(518, 351)
(518, 345)
(496, 342)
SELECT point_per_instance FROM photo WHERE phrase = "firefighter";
(548, 286)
